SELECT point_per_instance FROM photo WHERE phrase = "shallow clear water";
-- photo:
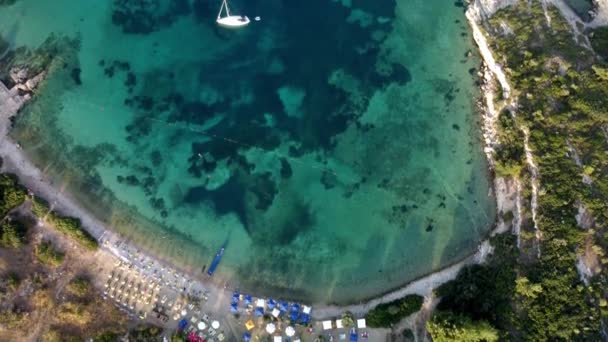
(333, 145)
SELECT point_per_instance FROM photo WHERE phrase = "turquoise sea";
(333, 145)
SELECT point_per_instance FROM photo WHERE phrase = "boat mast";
(224, 4)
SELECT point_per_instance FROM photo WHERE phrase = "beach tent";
(233, 308)
(249, 325)
(305, 316)
(361, 323)
(260, 303)
(276, 312)
(215, 325)
(246, 337)
(182, 324)
(259, 312)
(290, 331)
(326, 325)
(295, 310)
(235, 297)
(271, 304)
(283, 306)
(202, 325)
(353, 335)
(248, 300)
(270, 328)
(339, 324)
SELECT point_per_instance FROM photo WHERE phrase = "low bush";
(385, 315)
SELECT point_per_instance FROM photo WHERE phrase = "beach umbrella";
(248, 300)
(202, 325)
(271, 304)
(246, 337)
(184, 312)
(215, 325)
(290, 331)
(233, 308)
(235, 297)
(249, 325)
(283, 306)
(259, 312)
(271, 328)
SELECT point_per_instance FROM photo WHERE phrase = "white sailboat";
(231, 21)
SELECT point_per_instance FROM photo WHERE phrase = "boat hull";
(233, 21)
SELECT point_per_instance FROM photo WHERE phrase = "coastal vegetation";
(67, 225)
(536, 292)
(48, 255)
(387, 314)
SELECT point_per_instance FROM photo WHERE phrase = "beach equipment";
(248, 300)
(276, 312)
(259, 311)
(353, 335)
(215, 325)
(270, 328)
(202, 325)
(246, 337)
(271, 304)
(182, 324)
(235, 297)
(278, 339)
(260, 303)
(230, 21)
(295, 310)
(361, 323)
(283, 306)
(290, 331)
(184, 312)
(326, 325)
(339, 324)
(305, 316)
(249, 325)
(233, 308)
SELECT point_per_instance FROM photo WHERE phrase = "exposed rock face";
(483, 9)
(600, 15)
(584, 219)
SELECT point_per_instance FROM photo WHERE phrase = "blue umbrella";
(295, 307)
(353, 336)
(233, 308)
(294, 316)
(235, 297)
(259, 312)
(271, 304)
(248, 300)
(283, 306)
(183, 323)
(246, 337)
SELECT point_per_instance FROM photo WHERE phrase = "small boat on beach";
(216, 260)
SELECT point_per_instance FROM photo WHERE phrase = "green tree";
(348, 320)
(446, 326)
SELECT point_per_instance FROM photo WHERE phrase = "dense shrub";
(46, 254)
(449, 327)
(12, 194)
(385, 315)
(13, 234)
(70, 226)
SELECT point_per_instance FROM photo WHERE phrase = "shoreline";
(15, 161)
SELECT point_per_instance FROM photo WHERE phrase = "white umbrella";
(290, 331)
(184, 312)
(270, 328)
(202, 325)
(215, 324)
